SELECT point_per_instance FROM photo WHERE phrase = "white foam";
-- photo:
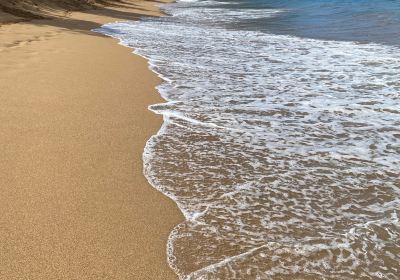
(281, 152)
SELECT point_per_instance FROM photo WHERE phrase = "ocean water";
(281, 136)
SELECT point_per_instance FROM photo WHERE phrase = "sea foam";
(282, 152)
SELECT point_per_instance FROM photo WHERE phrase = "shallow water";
(346, 20)
(283, 152)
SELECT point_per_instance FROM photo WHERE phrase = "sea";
(281, 136)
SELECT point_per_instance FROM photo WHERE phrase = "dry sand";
(74, 120)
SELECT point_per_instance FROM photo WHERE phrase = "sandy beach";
(74, 202)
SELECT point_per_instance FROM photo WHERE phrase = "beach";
(74, 202)
(228, 140)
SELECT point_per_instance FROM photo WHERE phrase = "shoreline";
(75, 201)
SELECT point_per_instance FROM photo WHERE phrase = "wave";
(281, 152)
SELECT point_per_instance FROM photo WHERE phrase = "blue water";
(351, 20)
(281, 136)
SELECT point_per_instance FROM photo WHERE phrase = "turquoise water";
(351, 20)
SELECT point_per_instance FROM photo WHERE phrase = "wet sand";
(74, 121)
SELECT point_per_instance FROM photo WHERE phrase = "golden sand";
(74, 121)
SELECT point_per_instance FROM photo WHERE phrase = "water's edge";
(235, 139)
(146, 156)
